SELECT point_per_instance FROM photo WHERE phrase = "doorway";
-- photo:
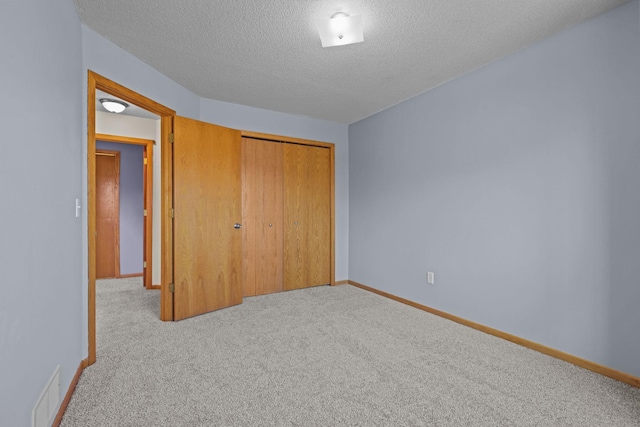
(138, 250)
(98, 82)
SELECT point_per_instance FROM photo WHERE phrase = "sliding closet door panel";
(262, 210)
(249, 216)
(318, 201)
(207, 203)
(269, 240)
(307, 195)
(296, 160)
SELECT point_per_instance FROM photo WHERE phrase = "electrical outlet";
(430, 278)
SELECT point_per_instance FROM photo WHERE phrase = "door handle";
(236, 225)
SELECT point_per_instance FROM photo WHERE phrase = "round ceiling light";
(113, 105)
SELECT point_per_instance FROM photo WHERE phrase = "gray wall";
(40, 171)
(131, 205)
(272, 122)
(517, 184)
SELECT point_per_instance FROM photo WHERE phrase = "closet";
(286, 215)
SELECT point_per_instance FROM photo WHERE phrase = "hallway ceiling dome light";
(340, 29)
(113, 105)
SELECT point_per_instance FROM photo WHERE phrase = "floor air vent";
(44, 410)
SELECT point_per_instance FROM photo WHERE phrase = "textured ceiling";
(267, 53)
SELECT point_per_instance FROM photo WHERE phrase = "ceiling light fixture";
(340, 29)
(113, 105)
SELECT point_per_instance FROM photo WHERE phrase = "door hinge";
(145, 161)
(144, 264)
(145, 213)
(172, 213)
(171, 137)
(172, 288)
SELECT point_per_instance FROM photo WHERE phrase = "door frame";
(116, 156)
(96, 81)
(147, 230)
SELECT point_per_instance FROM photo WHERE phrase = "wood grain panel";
(147, 179)
(249, 216)
(270, 206)
(308, 218)
(262, 212)
(295, 215)
(92, 84)
(166, 221)
(124, 139)
(207, 203)
(318, 230)
(287, 139)
(107, 214)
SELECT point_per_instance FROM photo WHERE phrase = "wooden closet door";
(307, 216)
(262, 210)
(318, 230)
(295, 215)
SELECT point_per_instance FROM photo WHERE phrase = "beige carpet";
(325, 357)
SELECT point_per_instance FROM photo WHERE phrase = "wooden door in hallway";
(207, 239)
(107, 214)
